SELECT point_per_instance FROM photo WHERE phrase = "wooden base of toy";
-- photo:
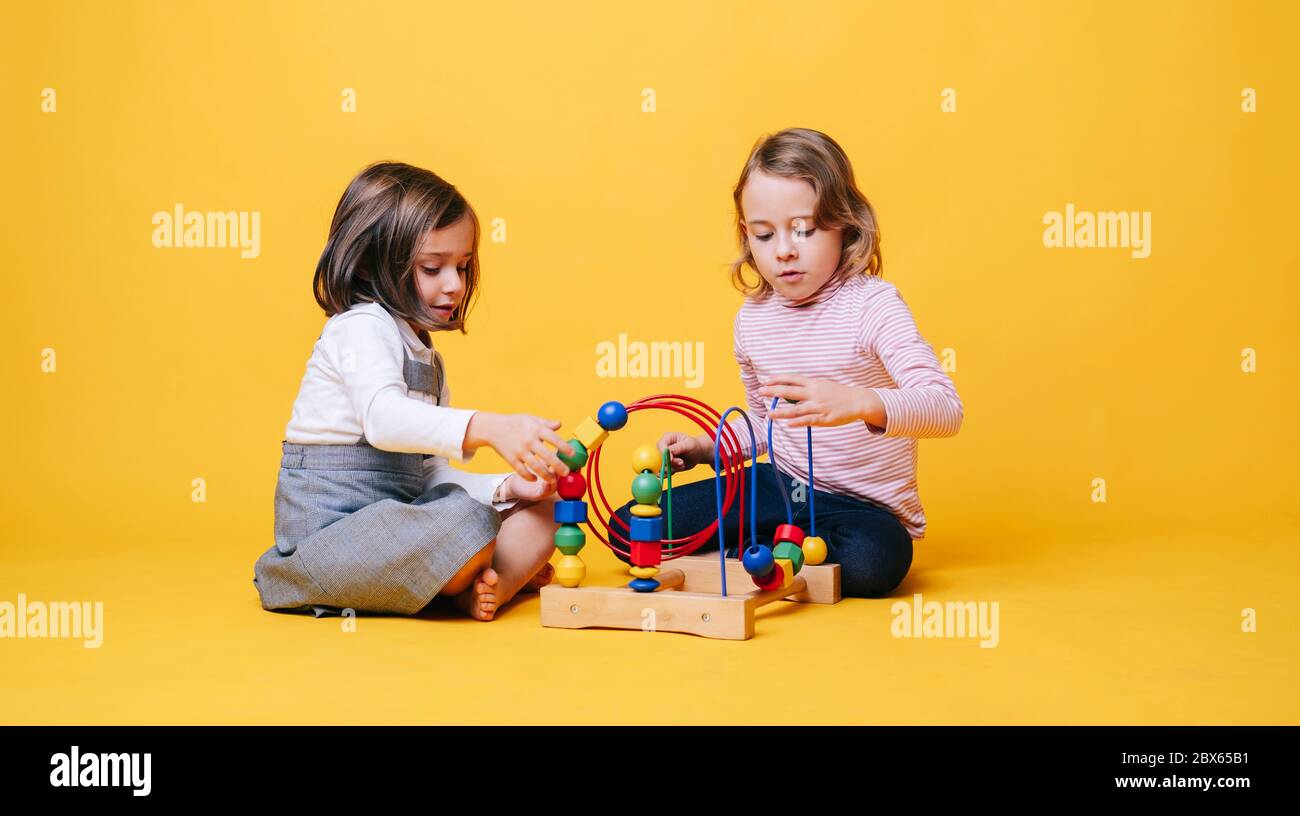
(687, 601)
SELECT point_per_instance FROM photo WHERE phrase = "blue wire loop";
(771, 459)
(776, 471)
(717, 491)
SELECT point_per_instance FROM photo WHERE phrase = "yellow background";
(1072, 364)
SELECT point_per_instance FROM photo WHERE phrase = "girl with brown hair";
(369, 514)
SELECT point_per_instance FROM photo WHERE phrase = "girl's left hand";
(819, 402)
(517, 488)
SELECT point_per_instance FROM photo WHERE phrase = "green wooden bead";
(579, 457)
(570, 539)
(791, 551)
(646, 488)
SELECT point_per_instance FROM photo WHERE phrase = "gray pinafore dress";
(355, 528)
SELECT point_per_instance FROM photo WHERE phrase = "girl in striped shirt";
(822, 331)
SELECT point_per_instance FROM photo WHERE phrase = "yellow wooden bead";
(590, 434)
(643, 572)
(787, 572)
(647, 457)
(646, 510)
(570, 571)
(814, 550)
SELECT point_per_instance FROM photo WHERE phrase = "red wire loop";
(733, 472)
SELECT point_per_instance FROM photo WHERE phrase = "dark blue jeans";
(869, 543)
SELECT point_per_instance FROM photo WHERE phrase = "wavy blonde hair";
(814, 157)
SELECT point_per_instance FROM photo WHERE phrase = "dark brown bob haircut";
(378, 227)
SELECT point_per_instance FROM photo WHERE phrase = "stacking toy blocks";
(647, 527)
(571, 510)
(696, 594)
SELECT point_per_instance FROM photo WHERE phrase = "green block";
(570, 539)
(576, 461)
(792, 551)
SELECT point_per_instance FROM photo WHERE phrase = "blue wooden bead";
(647, 529)
(612, 416)
(643, 584)
(570, 512)
(758, 560)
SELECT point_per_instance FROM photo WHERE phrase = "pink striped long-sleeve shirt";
(859, 333)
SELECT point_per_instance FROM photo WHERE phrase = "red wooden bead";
(571, 486)
(774, 579)
(788, 532)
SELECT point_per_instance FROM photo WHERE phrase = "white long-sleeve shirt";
(354, 386)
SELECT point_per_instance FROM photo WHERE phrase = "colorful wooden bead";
(790, 552)
(570, 571)
(644, 572)
(757, 560)
(570, 539)
(647, 457)
(579, 457)
(645, 510)
(646, 553)
(647, 529)
(787, 572)
(643, 584)
(571, 485)
(590, 434)
(814, 550)
(612, 416)
(646, 488)
(570, 512)
(773, 580)
(788, 532)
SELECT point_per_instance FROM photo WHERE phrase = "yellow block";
(646, 510)
(787, 572)
(643, 572)
(590, 434)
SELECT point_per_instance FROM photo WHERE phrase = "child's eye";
(763, 237)
(804, 233)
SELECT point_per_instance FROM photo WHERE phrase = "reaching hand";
(519, 488)
(685, 451)
(819, 402)
(521, 440)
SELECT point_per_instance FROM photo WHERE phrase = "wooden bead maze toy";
(692, 595)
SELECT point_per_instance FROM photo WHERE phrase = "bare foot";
(541, 579)
(480, 600)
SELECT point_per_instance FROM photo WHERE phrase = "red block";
(647, 553)
(788, 532)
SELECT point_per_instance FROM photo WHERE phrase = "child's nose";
(785, 250)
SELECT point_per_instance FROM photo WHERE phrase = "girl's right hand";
(686, 451)
(521, 440)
